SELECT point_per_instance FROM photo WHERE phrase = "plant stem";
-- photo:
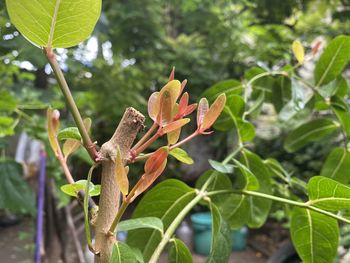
(183, 141)
(144, 146)
(89, 145)
(171, 229)
(281, 200)
(86, 209)
(146, 136)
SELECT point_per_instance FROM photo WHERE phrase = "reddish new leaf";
(172, 74)
(52, 128)
(203, 108)
(190, 108)
(156, 160)
(121, 174)
(165, 114)
(213, 112)
(153, 106)
(183, 85)
(183, 105)
(175, 125)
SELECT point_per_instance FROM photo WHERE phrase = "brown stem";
(124, 136)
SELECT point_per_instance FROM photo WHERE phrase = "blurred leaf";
(174, 196)
(234, 108)
(343, 87)
(311, 131)
(250, 181)
(122, 253)
(337, 165)
(246, 130)
(8, 103)
(333, 60)
(298, 94)
(213, 112)
(298, 51)
(229, 87)
(73, 189)
(69, 133)
(341, 110)
(315, 236)
(179, 252)
(52, 128)
(220, 167)
(42, 23)
(221, 243)
(328, 194)
(71, 145)
(16, 195)
(181, 155)
(121, 174)
(142, 222)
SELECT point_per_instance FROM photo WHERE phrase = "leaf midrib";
(53, 24)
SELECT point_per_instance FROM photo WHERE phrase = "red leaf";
(190, 108)
(172, 74)
(175, 125)
(203, 108)
(156, 160)
(182, 106)
(183, 84)
(165, 114)
(213, 112)
(316, 47)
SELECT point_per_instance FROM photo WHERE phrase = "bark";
(124, 136)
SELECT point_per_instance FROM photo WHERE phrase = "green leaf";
(341, 110)
(229, 87)
(337, 165)
(246, 130)
(311, 131)
(343, 87)
(164, 201)
(333, 60)
(250, 181)
(181, 155)
(69, 133)
(122, 253)
(73, 189)
(179, 252)
(142, 222)
(16, 195)
(298, 94)
(315, 236)
(221, 242)
(7, 125)
(220, 167)
(328, 194)
(54, 23)
(7, 102)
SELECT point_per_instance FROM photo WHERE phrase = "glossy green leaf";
(343, 87)
(69, 133)
(221, 242)
(142, 222)
(309, 132)
(315, 236)
(333, 60)
(337, 165)
(250, 180)
(164, 201)
(122, 253)
(246, 130)
(16, 195)
(328, 194)
(229, 87)
(179, 252)
(73, 189)
(54, 23)
(181, 155)
(220, 167)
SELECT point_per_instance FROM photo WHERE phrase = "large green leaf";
(164, 201)
(315, 236)
(341, 110)
(309, 132)
(15, 193)
(333, 60)
(229, 87)
(122, 253)
(250, 180)
(337, 165)
(179, 252)
(221, 240)
(142, 222)
(54, 23)
(328, 194)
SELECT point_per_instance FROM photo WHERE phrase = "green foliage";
(315, 236)
(181, 155)
(74, 188)
(122, 253)
(69, 133)
(16, 195)
(337, 165)
(179, 253)
(54, 24)
(143, 222)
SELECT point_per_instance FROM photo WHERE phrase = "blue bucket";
(201, 223)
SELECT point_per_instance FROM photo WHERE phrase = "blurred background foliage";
(135, 45)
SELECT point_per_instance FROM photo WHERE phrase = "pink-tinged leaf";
(148, 179)
(183, 104)
(183, 85)
(173, 87)
(153, 106)
(203, 108)
(70, 145)
(190, 108)
(165, 115)
(173, 136)
(53, 124)
(172, 74)
(213, 112)
(316, 48)
(155, 161)
(121, 174)
(175, 125)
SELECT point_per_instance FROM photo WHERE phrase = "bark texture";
(124, 136)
